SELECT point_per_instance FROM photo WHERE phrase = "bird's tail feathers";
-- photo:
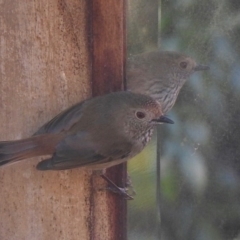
(12, 151)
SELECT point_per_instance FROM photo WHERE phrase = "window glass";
(200, 153)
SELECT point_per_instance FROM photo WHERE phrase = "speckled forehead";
(190, 59)
(154, 106)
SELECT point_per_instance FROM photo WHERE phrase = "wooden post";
(108, 31)
(50, 53)
(44, 68)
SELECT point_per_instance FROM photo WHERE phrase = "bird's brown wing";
(63, 121)
(78, 150)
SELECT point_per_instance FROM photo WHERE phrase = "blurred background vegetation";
(200, 162)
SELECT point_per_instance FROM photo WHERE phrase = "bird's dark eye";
(140, 115)
(183, 65)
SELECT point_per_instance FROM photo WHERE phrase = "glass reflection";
(200, 163)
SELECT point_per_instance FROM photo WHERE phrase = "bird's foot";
(126, 193)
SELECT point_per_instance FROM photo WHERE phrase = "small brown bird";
(97, 133)
(160, 74)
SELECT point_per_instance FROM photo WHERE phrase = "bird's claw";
(123, 192)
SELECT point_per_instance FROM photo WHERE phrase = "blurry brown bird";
(97, 133)
(160, 74)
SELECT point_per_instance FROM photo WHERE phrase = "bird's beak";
(201, 67)
(163, 119)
